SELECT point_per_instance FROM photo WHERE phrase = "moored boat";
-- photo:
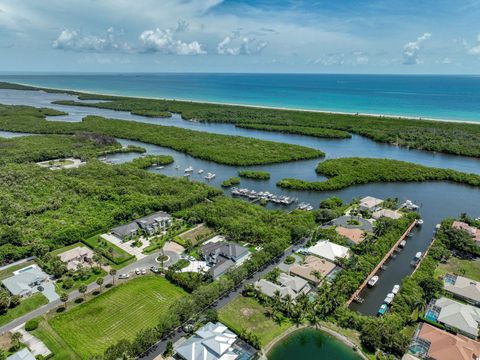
(396, 289)
(373, 281)
(383, 309)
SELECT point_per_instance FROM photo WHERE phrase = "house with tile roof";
(430, 342)
(462, 288)
(213, 342)
(312, 265)
(461, 318)
(471, 230)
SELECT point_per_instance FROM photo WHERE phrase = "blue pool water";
(430, 315)
(441, 97)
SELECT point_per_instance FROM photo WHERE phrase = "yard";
(116, 314)
(467, 268)
(246, 313)
(29, 304)
(195, 235)
(6, 273)
(111, 252)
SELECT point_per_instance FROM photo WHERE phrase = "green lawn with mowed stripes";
(117, 314)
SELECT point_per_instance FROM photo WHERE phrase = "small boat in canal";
(389, 298)
(420, 222)
(200, 171)
(189, 169)
(383, 309)
(160, 167)
(373, 281)
(416, 259)
(402, 243)
(418, 255)
(209, 176)
(396, 289)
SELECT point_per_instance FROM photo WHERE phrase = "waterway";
(437, 199)
(311, 344)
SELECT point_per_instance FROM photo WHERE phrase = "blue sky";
(334, 36)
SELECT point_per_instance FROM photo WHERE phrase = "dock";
(356, 294)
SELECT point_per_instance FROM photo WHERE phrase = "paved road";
(159, 347)
(146, 262)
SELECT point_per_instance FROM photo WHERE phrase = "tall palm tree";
(112, 273)
(64, 299)
(288, 301)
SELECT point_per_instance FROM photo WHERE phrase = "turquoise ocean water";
(440, 97)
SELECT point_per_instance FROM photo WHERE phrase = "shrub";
(31, 325)
(289, 260)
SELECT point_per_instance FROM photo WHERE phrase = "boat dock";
(356, 294)
(257, 196)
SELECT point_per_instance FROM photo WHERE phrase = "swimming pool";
(431, 315)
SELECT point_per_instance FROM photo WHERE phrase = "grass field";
(59, 348)
(247, 313)
(467, 268)
(194, 235)
(27, 305)
(117, 314)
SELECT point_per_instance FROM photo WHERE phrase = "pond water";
(437, 199)
(311, 344)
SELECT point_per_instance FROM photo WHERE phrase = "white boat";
(200, 171)
(396, 289)
(373, 281)
(402, 243)
(189, 169)
(420, 222)
(418, 255)
(160, 167)
(209, 176)
(389, 298)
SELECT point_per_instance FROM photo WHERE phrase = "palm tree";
(82, 290)
(288, 301)
(112, 273)
(315, 319)
(99, 282)
(277, 299)
(64, 299)
(317, 274)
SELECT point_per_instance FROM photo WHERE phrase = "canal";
(438, 200)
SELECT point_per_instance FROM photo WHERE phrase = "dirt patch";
(5, 341)
(247, 311)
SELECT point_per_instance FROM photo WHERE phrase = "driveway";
(35, 345)
(127, 245)
(365, 225)
(49, 291)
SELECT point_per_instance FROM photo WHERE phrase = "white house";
(328, 250)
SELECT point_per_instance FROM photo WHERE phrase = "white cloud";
(412, 49)
(475, 50)
(235, 44)
(74, 41)
(162, 41)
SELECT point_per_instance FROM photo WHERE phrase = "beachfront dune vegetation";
(47, 147)
(301, 130)
(439, 136)
(42, 210)
(254, 174)
(224, 149)
(345, 172)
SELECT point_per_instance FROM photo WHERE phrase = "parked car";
(137, 271)
(143, 271)
(123, 276)
(154, 269)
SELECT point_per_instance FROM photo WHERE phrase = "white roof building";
(328, 250)
(462, 287)
(287, 285)
(212, 342)
(370, 203)
(461, 317)
(23, 354)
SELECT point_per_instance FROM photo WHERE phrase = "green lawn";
(27, 305)
(467, 268)
(113, 253)
(116, 314)
(247, 313)
(60, 349)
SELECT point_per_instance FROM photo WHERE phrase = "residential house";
(473, 231)
(354, 236)
(79, 255)
(23, 354)
(313, 265)
(370, 203)
(462, 288)
(25, 281)
(328, 250)
(430, 342)
(213, 342)
(392, 214)
(287, 285)
(150, 225)
(222, 256)
(458, 317)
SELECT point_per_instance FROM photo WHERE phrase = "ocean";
(419, 96)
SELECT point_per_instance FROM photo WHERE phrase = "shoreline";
(401, 117)
(342, 338)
